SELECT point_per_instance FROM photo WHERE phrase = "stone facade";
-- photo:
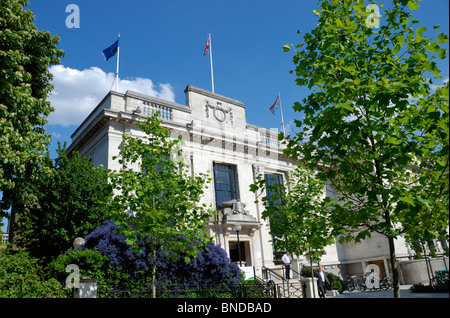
(218, 141)
(421, 270)
(214, 130)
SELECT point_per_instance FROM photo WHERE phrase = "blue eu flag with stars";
(111, 51)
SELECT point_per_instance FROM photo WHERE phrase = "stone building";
(219, 141)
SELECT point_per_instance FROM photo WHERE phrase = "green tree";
(90, 264)
(375, 126)
(19, 277)
(25, 57)
(298, 213)
(156, 195)
(70, 199)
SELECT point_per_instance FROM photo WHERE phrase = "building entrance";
(244, 249)
(380, 264)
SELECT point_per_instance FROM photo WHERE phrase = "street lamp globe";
(78, 242)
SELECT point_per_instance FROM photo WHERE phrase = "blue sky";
(163, 41)
(161, 52)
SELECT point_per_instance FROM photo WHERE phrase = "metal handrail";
(271, 271)
(270, 289)
(278, 275)
(293, 270)
(286, 287)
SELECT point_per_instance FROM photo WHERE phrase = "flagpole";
(117, 67)
(281, 110)
(210, 58)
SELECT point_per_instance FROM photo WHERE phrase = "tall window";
(225, 183)
(273, 179)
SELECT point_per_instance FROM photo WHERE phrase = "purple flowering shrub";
(110, 243)
(211, 266)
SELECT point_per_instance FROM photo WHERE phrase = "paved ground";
(404, 293)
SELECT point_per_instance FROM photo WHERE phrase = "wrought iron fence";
(253, 289)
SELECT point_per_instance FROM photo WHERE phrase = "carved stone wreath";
(219, 112)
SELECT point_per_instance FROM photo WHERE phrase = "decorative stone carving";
(219, 112)
(234, 213)
(234, 207)
(257, 169)
(207, 109)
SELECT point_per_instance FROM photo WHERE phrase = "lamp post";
(237, 228)
(84, 287)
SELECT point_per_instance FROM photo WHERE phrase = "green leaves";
(20, 277)
(442, 38)
(71, 198)
(413, 5)
(375, 123)
(407, 200)
(25, 84)
(286, 47)
(296, 211)
(432, 47)
(442, 53)
(421, 30)
(157, 197)
(392, 140)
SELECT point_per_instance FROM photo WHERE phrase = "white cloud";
(76, 93)
(56, 135)
(291, 128)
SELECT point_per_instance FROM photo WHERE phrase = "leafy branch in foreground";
(25, 84)
(376, 125)
(298, 212)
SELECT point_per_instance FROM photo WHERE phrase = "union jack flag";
(275, 105)
(208, 43)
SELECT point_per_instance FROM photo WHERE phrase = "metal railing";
(292, 288)
(256, 289)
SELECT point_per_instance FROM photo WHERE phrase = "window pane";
(273, 179)
(224, 183)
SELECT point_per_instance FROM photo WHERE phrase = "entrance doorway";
(380, 264)
(244, 247)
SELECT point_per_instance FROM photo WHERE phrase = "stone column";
(87, 289)
(309, 281)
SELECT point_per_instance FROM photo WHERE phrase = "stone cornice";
(222, 98)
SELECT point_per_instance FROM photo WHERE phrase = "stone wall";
(415, 271)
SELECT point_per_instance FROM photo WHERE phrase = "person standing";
(322, 281)
(287, 263)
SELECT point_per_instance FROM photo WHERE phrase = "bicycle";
(440, 279)
(360, 282)
(350, 283)
(386, 283)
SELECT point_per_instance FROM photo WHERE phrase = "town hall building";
(218, 141)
